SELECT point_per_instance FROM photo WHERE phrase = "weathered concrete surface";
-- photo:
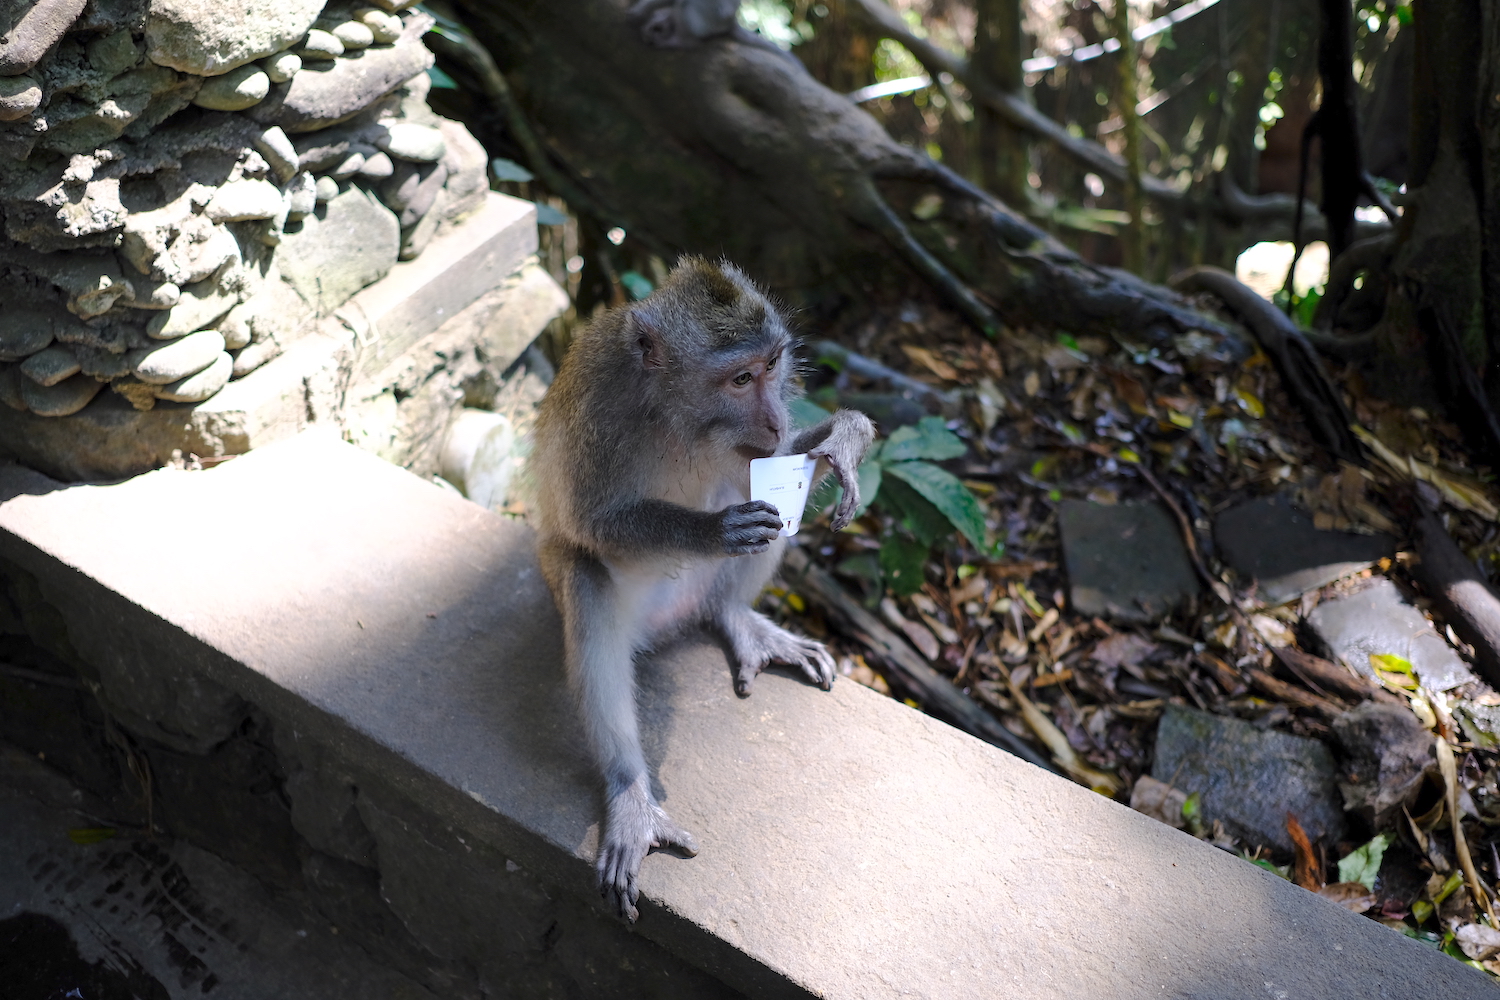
(177, 917)
(851, 847)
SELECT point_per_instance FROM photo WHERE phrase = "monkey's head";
(717, 358)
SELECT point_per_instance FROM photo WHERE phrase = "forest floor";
(1049, 421)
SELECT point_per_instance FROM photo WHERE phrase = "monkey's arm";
(648, 527)
(838, 444)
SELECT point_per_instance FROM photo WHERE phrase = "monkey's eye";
(772, 363)
(743, 378)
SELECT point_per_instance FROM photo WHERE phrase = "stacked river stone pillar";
(186, 186)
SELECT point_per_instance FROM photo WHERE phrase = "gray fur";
(646, 528)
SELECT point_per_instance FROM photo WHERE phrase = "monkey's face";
(746, 399)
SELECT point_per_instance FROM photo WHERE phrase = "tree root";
(1456, 587)
(1298, 364)
(728, 148)
(1368, 254)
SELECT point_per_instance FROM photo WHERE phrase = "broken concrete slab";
(1249, 778)
(1276, 544)
(1377, 621)
(410, 634)
(1125, 561)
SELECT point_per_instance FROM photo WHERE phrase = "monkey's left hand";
(843, 439)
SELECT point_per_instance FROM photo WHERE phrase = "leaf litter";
(958, 549)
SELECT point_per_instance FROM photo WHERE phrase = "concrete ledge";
(851, 847)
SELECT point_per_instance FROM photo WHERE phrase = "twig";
(1283, 691)
(1460, 842)
(940, 697)
(1189, 537)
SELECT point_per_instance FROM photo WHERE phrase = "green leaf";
(805, 413)
(865, 568)
(1363, 863)
(546, 215)
(902, 559)
(441, 80)
(1306, 307)
(915, 513)
(929, 439)
(636, 283)
(943, 490)
(1068, 340)
(509, 170)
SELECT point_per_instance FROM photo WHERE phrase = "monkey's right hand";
(748, 528)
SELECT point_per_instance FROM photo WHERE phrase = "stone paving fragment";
(1274, 543)
(1386, 751)
(1378, 621)
(1125, 561)
(1250, 778)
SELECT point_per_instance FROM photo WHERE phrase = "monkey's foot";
(758, 642)
(633, 825)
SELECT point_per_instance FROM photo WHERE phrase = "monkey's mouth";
(752, 452)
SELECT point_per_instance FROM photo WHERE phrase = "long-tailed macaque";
(642, 474)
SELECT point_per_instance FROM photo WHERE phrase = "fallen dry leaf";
(1351, 896)
(1160, 801)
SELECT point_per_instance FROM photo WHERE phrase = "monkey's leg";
(755, 640)
(601, 639)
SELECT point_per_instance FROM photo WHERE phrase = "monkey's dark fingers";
(617, 867)
(669, 834)
(749, 528)
(849, 502)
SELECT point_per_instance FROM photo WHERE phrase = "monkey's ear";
(643, 328)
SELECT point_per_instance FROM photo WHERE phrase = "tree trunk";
(730, 147)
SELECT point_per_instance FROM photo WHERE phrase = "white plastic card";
(783, 482)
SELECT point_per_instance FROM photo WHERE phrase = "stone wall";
(185, 190)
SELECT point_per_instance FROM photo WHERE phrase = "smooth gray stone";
(351, 244)
(327, 92)
(179, 358)
(51, 366)
(1125, 561)
(61, 400)
(279, 152)
(28, 30)
(1377, 620)
(205, 38)
(1250, 778)
(26, 330)
(1274, 543)
(1385, 753)
(851, 847)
